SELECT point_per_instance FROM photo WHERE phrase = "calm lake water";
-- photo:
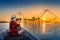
(3, 27)
(42, 31)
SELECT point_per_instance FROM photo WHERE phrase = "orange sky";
(28, 12)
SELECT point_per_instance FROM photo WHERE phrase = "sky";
(28, 8)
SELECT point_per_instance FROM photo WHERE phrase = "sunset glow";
(43, 28)
(28, 11)
(43, 19)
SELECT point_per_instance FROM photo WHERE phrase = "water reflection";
(44, 28)
(3, 27)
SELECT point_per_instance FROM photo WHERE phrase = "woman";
(15, 28)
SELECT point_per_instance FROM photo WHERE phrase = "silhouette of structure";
(50, 20)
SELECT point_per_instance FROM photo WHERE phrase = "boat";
(26, 36)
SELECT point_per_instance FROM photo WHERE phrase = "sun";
(44, 19)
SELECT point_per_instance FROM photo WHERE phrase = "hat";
(13, 17)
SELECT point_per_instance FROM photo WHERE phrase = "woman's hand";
(18, 28)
